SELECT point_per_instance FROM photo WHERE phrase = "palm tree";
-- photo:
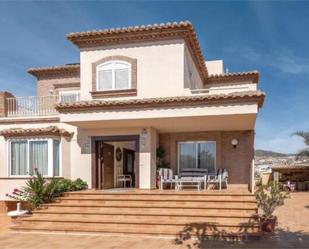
(304, 135)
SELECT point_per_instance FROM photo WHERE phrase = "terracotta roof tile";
(144, 33)
(63, 69)
(257, 96)
(235, 76)
(50, 130)
(290, 166)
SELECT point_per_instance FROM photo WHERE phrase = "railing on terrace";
(37, 105)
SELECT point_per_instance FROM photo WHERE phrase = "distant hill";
(268, 153)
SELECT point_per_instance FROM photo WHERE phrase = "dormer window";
(113, 75)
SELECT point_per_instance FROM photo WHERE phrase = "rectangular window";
(56, 157)
(69, 96)
(19, 158)
(27, 154)
(196, 154)
(38, 157)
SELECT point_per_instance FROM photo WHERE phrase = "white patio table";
(180, 183)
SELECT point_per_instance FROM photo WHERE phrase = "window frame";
(50, 154)
(75, 92)
(196, 142)
(113, 62)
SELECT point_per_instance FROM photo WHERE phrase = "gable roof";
(144, 33)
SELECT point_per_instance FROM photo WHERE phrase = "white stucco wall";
(192, 78)
(160, 67)
(215, 67)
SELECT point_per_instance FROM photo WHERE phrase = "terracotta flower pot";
(268, 224)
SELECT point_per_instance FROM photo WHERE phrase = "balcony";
(37, 105)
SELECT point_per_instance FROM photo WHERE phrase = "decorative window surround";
(132, 91)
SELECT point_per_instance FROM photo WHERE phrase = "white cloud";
(282, 60)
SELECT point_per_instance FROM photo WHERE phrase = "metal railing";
(36, 105)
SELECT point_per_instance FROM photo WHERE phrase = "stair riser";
(134, 219)
(124, 228)
(158, 197)
(150, 211)
(173, 204)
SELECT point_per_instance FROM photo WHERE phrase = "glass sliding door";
(197, 154)
(187, 155)
(206, 153)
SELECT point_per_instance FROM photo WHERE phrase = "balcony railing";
(37, 105)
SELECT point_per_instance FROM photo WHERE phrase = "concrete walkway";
(293, 232)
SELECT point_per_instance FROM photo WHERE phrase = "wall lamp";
(234, 142)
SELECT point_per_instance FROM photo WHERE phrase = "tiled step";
(170, 197)
(158, 203)
(147, 213)
(149, 210)
(149, 229)
(124, 219)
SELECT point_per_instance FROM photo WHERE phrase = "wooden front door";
(105, 165)
(108, 166)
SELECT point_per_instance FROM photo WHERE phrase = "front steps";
(138, 212)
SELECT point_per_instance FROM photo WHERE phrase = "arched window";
(113, 75)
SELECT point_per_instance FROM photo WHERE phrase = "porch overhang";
(207, 118)
(236, 111)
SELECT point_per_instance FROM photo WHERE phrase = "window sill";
(114, 93)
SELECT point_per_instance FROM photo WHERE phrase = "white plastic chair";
(166, 176)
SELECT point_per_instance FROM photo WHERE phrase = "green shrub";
(39, 190)
(269, 197)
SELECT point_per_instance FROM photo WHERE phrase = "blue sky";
(269, 37)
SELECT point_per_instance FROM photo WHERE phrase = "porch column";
(147, 158)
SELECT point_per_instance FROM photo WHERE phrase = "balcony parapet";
(29, 106)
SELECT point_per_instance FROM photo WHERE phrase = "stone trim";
(150, 33)
(236, 97)
(115, 93)
(48, 131)
(66, 85)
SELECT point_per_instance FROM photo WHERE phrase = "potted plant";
(160, 153)
(269, 197)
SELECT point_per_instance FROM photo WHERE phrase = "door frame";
(125, 153)
(116, 138)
